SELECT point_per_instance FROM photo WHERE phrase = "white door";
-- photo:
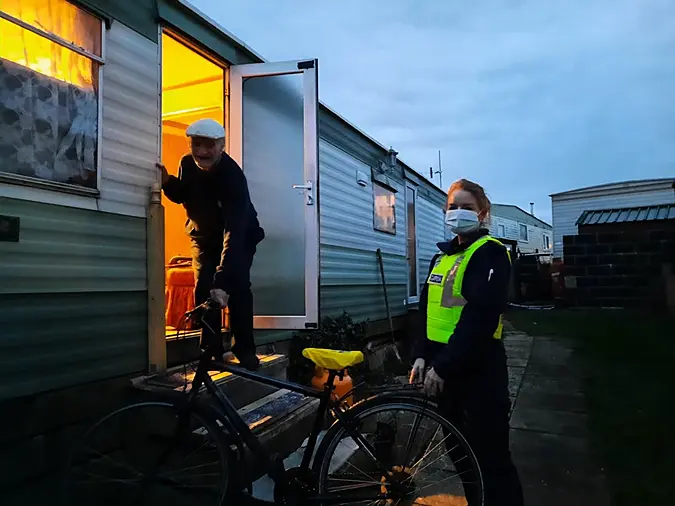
(274, 137)
(411, 237)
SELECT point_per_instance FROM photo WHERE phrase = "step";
(240, 391)
(281, 421)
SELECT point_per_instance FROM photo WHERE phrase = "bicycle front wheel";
(150, 454)
(401, 452)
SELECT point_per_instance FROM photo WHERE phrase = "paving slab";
(515, 379)
(557, 394)
(513, 336)
(549, 435)
(548, 352)
(516, 362)
(557, 470)
(550, 421)
(518, 350)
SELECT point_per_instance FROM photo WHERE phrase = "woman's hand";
(433, 383)
(417, 373)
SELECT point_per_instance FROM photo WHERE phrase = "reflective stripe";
(448, 299)
(452, 301)
(445, 301)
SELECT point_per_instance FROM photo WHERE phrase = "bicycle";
(368, 429)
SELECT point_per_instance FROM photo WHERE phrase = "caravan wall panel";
(350, 276)
(129, 148)
(73, 298)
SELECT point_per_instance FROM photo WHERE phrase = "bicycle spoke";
(139, 465)
(113, 461)
(411, 437)
(106, 479)
(189, 468)
(443, 480)
(431, 451)
(437, 459)
(363, 473)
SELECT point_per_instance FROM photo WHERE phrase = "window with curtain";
(50, 56)
(384, 210)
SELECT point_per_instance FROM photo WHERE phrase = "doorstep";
(240, 391)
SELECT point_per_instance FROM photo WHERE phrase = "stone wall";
(619, 265)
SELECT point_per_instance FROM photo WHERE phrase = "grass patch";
(629, 363)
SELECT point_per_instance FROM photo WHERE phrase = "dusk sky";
(526, 97)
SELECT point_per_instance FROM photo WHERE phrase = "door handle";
(309, 188)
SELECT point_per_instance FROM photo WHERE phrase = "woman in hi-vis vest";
(459, 354)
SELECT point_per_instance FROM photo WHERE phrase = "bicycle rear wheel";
(397, 451)
(150, 454)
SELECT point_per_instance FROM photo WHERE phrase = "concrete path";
(549, 434)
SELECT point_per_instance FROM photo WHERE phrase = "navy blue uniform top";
(219, 212)
(472, 346)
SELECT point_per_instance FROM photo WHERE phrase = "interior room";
(193, 87)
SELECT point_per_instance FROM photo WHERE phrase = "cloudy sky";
(527, 97)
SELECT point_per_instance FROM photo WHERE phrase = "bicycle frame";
(327, 401)
(241, 428)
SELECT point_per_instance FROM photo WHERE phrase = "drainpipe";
(156, 280)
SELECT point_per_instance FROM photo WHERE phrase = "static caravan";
(513, 223)
(568, 206)
(94, 93)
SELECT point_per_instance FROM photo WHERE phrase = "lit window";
(523, 233)
(50, 55)
(384, 209)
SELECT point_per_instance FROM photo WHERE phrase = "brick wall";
(619, 265)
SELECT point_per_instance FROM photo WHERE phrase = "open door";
(274, 137)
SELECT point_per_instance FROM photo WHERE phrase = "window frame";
(547, 241)
(375, 215)
(501, 231)
(527, 233)
(58, 186)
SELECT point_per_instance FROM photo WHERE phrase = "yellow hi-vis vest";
(445, 302)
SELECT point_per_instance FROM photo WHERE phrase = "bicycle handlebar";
(202, 308)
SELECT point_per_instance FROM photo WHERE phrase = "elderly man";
(224, 229)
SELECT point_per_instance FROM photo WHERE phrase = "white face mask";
(462, 221)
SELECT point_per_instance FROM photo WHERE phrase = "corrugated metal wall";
(130, 121)
(350, 278)
(567, 209)
(73, 298)
(430, 230)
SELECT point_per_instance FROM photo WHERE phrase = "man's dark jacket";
(219, 213)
